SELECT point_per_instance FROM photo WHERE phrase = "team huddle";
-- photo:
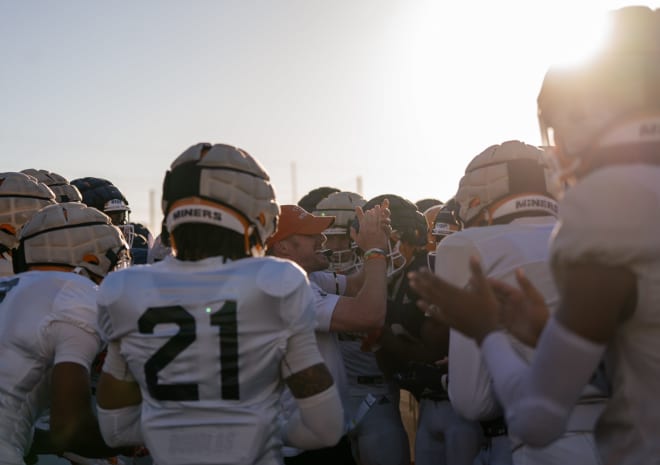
(522, 314)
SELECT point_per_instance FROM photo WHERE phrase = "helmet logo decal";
(90, 258)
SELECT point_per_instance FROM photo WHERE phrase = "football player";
(410, 346)
(343, 303)
(341, 205)
(106, 197)
(602, 120)
(48, 331)
(379, 436)
(64, 191)
(507, 199)
(202, 342)
(21, 196)
(310, 200)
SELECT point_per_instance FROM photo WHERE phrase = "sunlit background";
(373, 96)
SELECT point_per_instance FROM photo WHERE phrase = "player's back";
(29, 303)
(205, 341)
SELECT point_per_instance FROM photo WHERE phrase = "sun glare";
(577, 37)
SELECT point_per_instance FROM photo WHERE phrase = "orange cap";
(297, 220)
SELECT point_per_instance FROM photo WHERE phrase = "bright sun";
(578, 36)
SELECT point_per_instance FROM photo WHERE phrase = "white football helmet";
(443, 222)
(119, 213)
(71, 234)
(230, 186)
(610, 101)
(64, 191)
(21, 196)
(504, 180)
(341, 205)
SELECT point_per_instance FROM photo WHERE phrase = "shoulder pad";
(280, 278)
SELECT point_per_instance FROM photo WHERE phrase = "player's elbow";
(325, 420)
(319, 421)
(334, 429)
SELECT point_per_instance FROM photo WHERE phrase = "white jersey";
(611, 217)
(206, 341)
(501, 250)
(32, 307)
(363, 375)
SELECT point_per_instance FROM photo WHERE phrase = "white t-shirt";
(46, 317)
(325, 301)
(207, 342)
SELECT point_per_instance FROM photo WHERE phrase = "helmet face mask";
(396, 262)
(344, 258)
(119, 214)
(445, 223)
(342, 206)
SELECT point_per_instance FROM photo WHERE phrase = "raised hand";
(374, 227)
(523, 309)
(474, 311)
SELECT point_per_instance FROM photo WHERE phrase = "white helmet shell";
(512, 168)
(72, 234)
(64, 191)
(229, 178)
(21, 196)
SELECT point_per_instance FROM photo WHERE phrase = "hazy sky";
(402, 93)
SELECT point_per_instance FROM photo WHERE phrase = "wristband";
(374, 253)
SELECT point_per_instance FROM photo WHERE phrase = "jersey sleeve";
(287, 282)
(452, 259)
(324, 307)
(110, 289)
(608, 219)
(75, 303)
(70, 343)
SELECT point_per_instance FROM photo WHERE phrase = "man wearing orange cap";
(343, 303)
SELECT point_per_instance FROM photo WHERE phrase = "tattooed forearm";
(309, 381)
